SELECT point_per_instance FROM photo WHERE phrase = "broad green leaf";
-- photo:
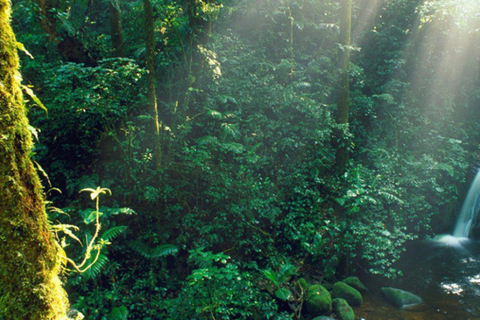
(119, 313)
(34, 97)
(92, 216)
(283, 294)
(270, 275)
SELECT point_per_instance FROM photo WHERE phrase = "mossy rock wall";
(30, 288)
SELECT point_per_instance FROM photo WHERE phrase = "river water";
(445, 273)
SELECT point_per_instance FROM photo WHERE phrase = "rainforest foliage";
(214, 124)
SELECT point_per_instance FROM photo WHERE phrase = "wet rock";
(319, 301)
(401, 298)
(475, 232)
(344, 291)
(342, 309)
(354, 282)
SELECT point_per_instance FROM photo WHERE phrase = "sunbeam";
(446, 47)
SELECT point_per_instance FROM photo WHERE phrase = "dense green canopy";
(221, 133)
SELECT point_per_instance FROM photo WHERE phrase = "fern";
(234, 147)
(152, 253)
(207, 140)
(96, 268)
(230, 130)
(215, 114)
(390, 197)
(302, 85)
(226, 99)
(164, 250)
(386, 97)
(112, 233)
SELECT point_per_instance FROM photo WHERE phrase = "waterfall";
(469, 210)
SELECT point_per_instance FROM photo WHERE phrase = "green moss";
(319, 301)
(400, 298)
(354, 282)
(344, 291)
(30, 287)
(342, 309)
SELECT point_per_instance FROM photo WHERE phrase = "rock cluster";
(319, 302)
(335, 301)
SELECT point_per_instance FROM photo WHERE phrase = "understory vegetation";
(244, 195)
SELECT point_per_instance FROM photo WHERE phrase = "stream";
(445, 273)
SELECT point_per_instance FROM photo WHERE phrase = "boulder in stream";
(342, 309)
(354, 282)
(400, 298)
(319, 300)
(344, 291)
(323, 318)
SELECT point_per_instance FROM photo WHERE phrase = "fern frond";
(386, 97)
(112, 233)
(391, 197)
(225, 99)
(164, 250)
(230, 130)
(234, 147)
(302, 85)
(215, 114)
(152, 253)
(207, 140)
(96, 268)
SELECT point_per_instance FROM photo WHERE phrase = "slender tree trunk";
(343, 102)
(152, 96)
(69, 46)
(47, 19)
(116, 28)
(30, 288)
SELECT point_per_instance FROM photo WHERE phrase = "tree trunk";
(116, 28)
(30, 288)
(343, 102)
(152, 78)
(69, 46)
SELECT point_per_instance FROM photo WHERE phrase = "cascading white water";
(469, 211)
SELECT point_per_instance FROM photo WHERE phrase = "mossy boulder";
(342, 309)
(354, 282)
(400, 298)
(323, 318)
(301, 285)
(344, 291)
(318, 301)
